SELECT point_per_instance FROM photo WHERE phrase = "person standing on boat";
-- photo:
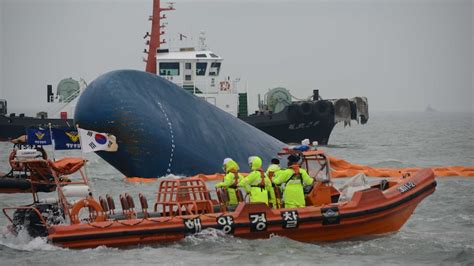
(294, 177)
(272, 170)
(231, 179)
(256, 183)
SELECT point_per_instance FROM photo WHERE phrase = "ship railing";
(66, 102)
(206, 88)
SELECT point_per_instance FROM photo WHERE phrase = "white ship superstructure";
(199, 73)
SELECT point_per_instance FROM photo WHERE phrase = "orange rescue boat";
(19, 179)
(185, 206)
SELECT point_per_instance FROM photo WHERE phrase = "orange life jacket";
(270, 175)
(236, 179)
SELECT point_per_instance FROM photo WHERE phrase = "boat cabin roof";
(187, 54)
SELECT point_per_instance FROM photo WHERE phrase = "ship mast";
(157, 29)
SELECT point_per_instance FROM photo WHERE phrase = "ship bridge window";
(169, 69)
(201, 55)
(201, 69)
(213, 55)
(214, 70)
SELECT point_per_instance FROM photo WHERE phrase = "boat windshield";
(169, 69)
(201, 69)
(214, 70)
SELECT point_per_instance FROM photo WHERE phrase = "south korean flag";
(95, 141)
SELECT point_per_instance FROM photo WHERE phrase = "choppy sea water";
(441, 231)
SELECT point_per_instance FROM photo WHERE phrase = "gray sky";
(402, 55)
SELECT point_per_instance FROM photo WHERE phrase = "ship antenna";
(202, 41)
(157, 29)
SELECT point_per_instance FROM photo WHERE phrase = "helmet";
(224, 163)
(250, 161)
(226, 160)
(255, 162)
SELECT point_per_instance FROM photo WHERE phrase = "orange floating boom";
(342, 168)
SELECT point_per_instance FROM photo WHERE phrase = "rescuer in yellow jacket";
(231, 179)
(272, 170)
(293, 178)
(256, 183)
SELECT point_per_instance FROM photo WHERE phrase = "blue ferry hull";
(162, 129)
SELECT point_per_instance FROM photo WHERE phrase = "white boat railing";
(225, 86)
(63, 104)
(60, 105)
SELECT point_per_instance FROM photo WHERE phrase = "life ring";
(91, 204)
(15, 165)
(224, 85)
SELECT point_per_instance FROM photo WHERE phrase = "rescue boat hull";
(369, 212)
(21, 184)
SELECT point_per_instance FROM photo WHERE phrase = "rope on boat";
(101, 227)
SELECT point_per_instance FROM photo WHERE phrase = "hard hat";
(224, 163)
(226, 160)
(250, 160)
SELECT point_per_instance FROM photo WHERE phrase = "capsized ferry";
(77, 219)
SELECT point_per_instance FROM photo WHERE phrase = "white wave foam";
(208, 235)
(23, 241)
(100, 248)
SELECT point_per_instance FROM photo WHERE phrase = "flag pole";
(83, 155)
(52, 140)
(80, 138)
